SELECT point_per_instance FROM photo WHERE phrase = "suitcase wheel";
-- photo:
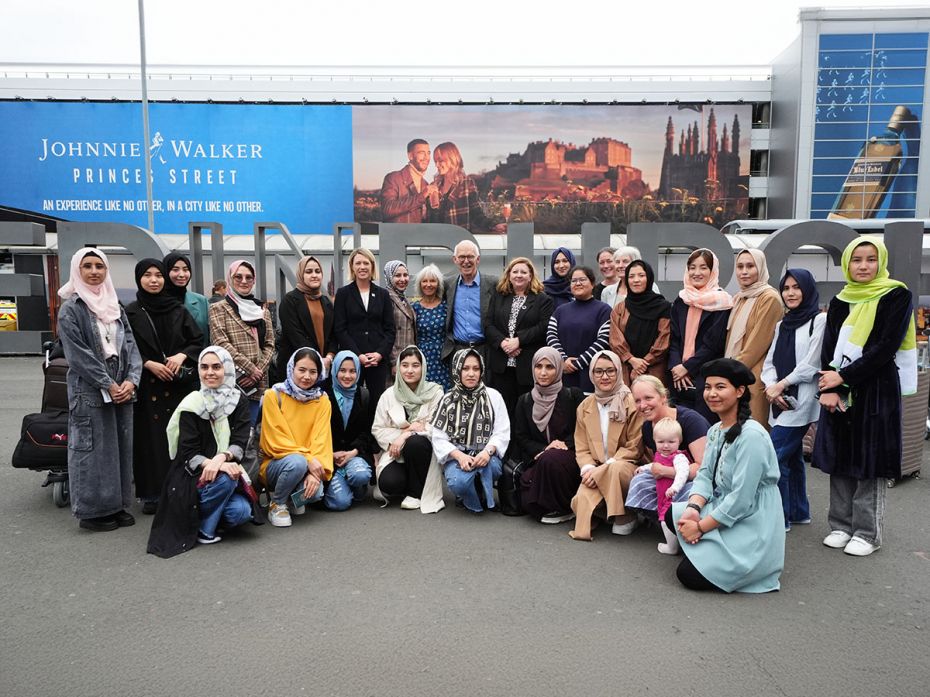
(60, 493)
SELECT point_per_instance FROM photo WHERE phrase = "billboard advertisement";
(228, 163)
(482, 166)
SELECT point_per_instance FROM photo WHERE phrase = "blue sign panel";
(227, 163)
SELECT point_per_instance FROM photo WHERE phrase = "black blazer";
(487, 288)
(532, 322)
(297, 327)
(360, 330)
(357, 433)
(710, 343)
(527, 440)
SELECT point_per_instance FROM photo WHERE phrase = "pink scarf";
(711, 297)
(101, 300)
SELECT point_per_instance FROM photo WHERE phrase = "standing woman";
(558, 285)
(471, 432)
(790, 372)
(364, 321)
(757, 308)
(544, 439)
(730, 529)
(405, 319)
(178, 267)
(207, 436)
(407, 469)
(430, 311)
(515, 327)
(608, 448)
(698, 329)
(242, 326)
(579, 329)
(869, 359)
(306, 316)
(354, 446)
(169, 342)
(640, 325)
(104, 369)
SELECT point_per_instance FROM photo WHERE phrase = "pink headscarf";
(249, 310)
(711, 297)
(101, 300)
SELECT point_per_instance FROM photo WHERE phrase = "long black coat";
(864, 442)
(357, 433)
(532, 322)
(528, 441)
(174, 529)
(297, 329)
(360, 330)
(710, 343)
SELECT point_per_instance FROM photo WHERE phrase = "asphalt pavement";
(391, 602)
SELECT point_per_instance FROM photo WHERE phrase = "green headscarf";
(425, 393)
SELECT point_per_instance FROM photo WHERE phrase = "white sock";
(670, 546)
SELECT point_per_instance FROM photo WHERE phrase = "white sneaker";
(410, 504)
(555, 518)
(858, 547)
(671, 545)
(625, 528)
(837, 539)
(278, 516)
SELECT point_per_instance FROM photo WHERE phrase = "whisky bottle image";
(872, 174)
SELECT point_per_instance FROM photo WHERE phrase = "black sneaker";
(102, 524)
(124, 519)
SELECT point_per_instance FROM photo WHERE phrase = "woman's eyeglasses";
(604, 372)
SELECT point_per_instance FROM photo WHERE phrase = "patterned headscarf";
(466, 414)
(614, 399)
(100, 300)
(290, 388)
(250, 310)
(390, 269)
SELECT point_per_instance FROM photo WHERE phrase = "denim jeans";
(857, 507)
(285, 475)
(789, 448)
(462, 483)
(255, 408)
(220, 502)
(348, 483)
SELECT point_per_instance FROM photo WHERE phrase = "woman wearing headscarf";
(471, 432)
(306, 316)
(354, 446)
(608, 449)
(207, 436)
(405, 319)
(558, 285)
(407, 469)
(698, 329)
(544, 440)
(104, 369)
(242, 326)
(169, 342)
(790, 376)
(640, 325)
(178, 267)
(296, 438)
(730, 527)
(868, 361)
(757, 308)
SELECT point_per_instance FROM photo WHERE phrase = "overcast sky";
(474, 32)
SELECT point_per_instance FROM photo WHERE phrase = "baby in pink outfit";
(667, 435)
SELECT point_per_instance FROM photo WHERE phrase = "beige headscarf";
(744, 301)
(614, 399)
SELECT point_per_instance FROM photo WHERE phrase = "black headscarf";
(784, 357)
(180, 292)
(158, 303)
(559, 286)
(646, 309)
(160, 314)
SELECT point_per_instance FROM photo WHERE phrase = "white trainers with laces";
(857, 547)
(278, 515)
(837, 539)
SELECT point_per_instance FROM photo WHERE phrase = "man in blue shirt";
(468, 295)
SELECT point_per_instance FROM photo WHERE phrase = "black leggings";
(689, 576)
(407, 478)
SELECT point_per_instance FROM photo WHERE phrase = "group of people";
(690, 414)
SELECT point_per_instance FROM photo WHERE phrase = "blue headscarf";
(290, 388)
(784, 357)
(559, 286)
(345, 396)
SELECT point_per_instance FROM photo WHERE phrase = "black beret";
(734, 371)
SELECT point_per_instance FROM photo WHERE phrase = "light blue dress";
(199, 308)
(747, 552)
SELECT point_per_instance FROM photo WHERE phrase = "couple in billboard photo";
(452, 196)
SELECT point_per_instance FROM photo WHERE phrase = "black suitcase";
(43, 442)
(55, 392)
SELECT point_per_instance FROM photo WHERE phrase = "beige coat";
(657, 358)
(624, 445)
(390, 420)
(760, 332)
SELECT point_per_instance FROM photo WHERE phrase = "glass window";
(915, 40)
(823, 201)
(900, 59)
(902, 76)
(841, 131)
(828, 166)
(819, 215)
(841, 95)
(834, 60)
(842, 112)
(896, 95)
(847, 77)
(837, 148)
(881, 113)
(847, 41)
(823, 185)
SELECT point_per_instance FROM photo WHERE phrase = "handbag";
(508, 487)
(187, 370)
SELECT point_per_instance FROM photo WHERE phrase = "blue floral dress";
(431, 335)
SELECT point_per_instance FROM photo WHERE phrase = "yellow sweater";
(296, 427)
